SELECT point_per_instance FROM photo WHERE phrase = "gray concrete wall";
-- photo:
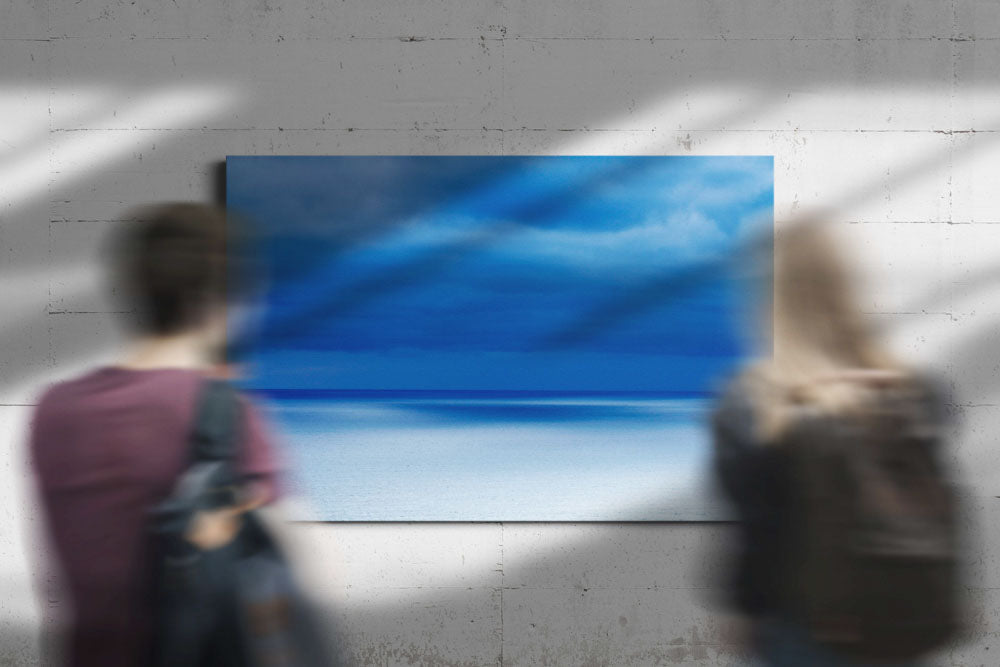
(884, 113)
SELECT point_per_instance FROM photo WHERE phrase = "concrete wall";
(884, 113)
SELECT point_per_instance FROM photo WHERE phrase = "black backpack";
(237, 605)
(873, 567)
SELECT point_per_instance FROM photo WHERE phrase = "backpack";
(873, 546)
(233, 606)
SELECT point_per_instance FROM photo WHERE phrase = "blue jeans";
(786, 644)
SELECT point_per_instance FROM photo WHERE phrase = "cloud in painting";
(463, 260)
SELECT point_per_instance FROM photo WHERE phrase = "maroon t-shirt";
(106, 447)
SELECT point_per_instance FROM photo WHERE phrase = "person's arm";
(257, 464)
(751, 475)
(258, 461)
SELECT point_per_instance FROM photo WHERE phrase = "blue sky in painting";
(460, 272)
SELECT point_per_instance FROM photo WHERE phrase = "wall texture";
(885, 115)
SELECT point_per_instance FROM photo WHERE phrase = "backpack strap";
(214, 440)
(214, 436)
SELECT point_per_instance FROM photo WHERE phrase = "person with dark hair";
(110, 445)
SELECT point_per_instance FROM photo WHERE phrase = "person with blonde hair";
(829, 449)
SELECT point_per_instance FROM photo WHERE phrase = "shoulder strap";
(215, 434)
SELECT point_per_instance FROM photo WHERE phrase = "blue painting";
(500, 338)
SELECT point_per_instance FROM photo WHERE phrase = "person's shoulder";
(60, 404)
(932, 395)
(930, 385)
(255, 410)
(735, 391)
(64, 391)
(734, 406)
(243, 397)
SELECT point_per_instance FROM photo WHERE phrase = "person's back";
(829, 449)
(848, 544)
(108, 446)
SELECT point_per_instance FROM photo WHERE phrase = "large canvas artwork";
(508, 338)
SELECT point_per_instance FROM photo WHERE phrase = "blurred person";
(110, 445)
(829, 449)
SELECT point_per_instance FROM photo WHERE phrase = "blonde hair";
(821, 341)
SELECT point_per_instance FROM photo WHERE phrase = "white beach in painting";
(524, 458)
